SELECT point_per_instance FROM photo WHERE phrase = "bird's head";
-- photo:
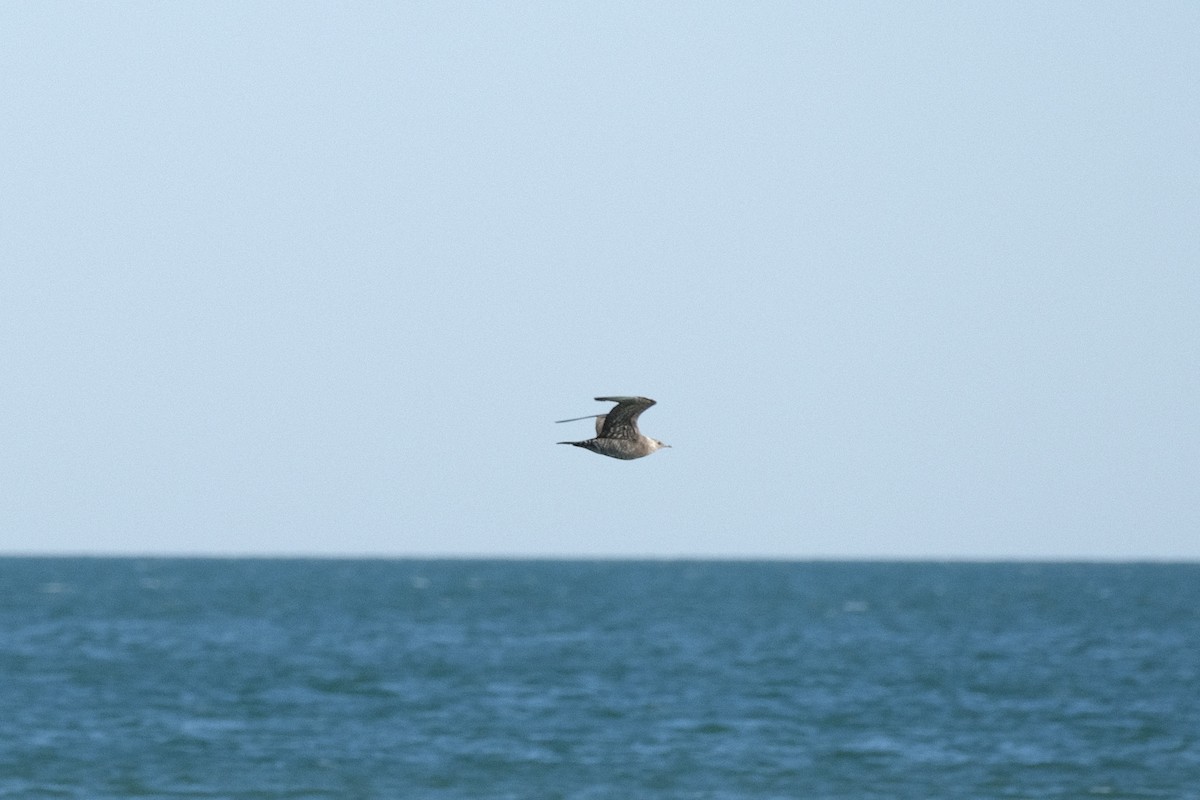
(659, 445)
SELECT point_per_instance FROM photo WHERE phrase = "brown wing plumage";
(621, 420)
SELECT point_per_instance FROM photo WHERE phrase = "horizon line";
(613, 557)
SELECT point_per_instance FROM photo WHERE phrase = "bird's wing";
(621, 420)
(599, 421)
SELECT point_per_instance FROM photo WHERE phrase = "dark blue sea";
(163, 678)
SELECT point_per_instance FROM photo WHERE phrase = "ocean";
(261, 678)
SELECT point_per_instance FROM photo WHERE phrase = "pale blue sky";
(907, 280)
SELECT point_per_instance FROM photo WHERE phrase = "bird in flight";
(617, 434)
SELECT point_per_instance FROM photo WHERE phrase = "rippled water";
(520, 679)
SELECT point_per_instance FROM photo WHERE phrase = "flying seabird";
(617, 433)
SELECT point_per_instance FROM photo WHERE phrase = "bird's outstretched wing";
(598, 417)
(621, 420)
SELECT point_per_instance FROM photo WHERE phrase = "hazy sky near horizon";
(907, 280)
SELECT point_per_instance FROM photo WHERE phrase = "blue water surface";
(170, 678)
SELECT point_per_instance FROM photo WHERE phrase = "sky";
(907, 280)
